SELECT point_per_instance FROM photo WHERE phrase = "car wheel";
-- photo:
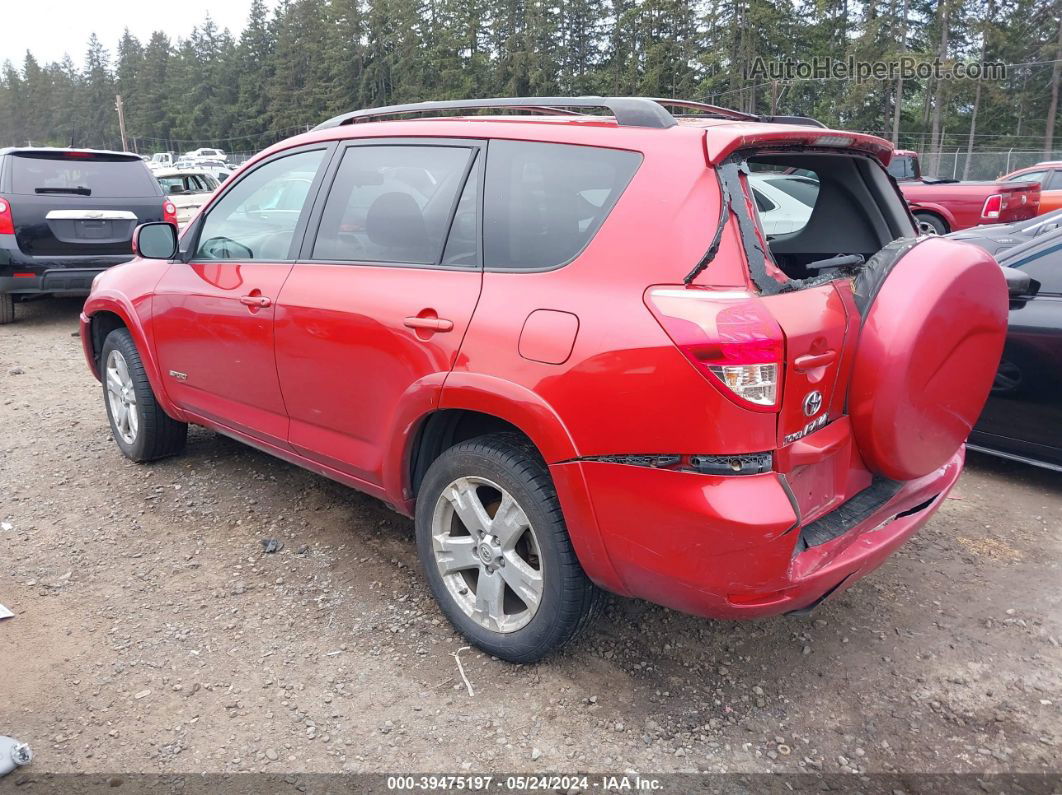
(7, 309)
(930, 224)
(496, 552)
(141, 428)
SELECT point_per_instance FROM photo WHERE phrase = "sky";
(52, 28)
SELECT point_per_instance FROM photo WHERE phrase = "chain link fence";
(958, 164)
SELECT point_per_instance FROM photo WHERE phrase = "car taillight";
(729, 337)
(7, 223)
(169, 212)
(993, 206)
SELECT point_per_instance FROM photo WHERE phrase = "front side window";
(544, 202)
(391, 203)
(256, 219)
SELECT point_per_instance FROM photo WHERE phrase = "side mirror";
(156, 240)
(1019, 283)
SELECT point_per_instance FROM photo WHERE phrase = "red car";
(563, 344)
(1049, 174)
(947, 205)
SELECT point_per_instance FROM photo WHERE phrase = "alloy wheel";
(487, 554)
(121, 396)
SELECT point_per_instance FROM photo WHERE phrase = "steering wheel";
(224, 248)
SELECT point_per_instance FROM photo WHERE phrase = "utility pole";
(120, 107)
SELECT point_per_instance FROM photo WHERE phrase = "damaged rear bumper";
(732, 547)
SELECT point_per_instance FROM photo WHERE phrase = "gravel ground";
(153, 634)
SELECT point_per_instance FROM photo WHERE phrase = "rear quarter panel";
(624, 388)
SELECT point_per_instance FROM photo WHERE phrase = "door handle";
(256, 300)
(809, 361)
(429, 323)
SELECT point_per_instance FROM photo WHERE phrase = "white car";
(204, 153)
(188, 190)
(161, 160)
(784, 201)
(219, 169)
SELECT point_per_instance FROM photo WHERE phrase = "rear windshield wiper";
(80, 190)
(840, 261)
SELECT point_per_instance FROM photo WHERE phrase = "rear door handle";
(809, 361)
(256, 300)
(429, 323)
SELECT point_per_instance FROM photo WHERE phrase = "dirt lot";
(152, 634)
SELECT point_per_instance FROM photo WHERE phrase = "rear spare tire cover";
(928, 351)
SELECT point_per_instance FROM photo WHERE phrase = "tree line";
(305, 60)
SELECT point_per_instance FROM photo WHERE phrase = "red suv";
(563, 343)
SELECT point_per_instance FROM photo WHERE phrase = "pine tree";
(11, 108)
(100, 126)
(128, 73)
(344, 57)
(37, 114)
(300, 87)
(253, 60)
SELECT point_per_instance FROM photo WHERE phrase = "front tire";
(496, 552)
(142, 430)
(7, 308)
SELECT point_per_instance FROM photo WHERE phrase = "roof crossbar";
(628, 111)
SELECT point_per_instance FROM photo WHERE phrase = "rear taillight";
(993, 206)
(169, 212)
(7, 223)
(730, 338)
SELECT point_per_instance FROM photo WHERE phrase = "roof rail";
(628, 111)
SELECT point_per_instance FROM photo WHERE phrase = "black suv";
(66, 215)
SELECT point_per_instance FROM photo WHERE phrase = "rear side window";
(803, 189)
(1030, 176)
(94, 176)
(903, 167)
(462, 246)
(763, 204)
(391, 204)
(544, 202)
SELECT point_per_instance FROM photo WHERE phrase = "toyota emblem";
(812, 403)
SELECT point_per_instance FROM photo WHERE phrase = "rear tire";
(142, 430)
(7, 309)
(496, 552)
(934, 222)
